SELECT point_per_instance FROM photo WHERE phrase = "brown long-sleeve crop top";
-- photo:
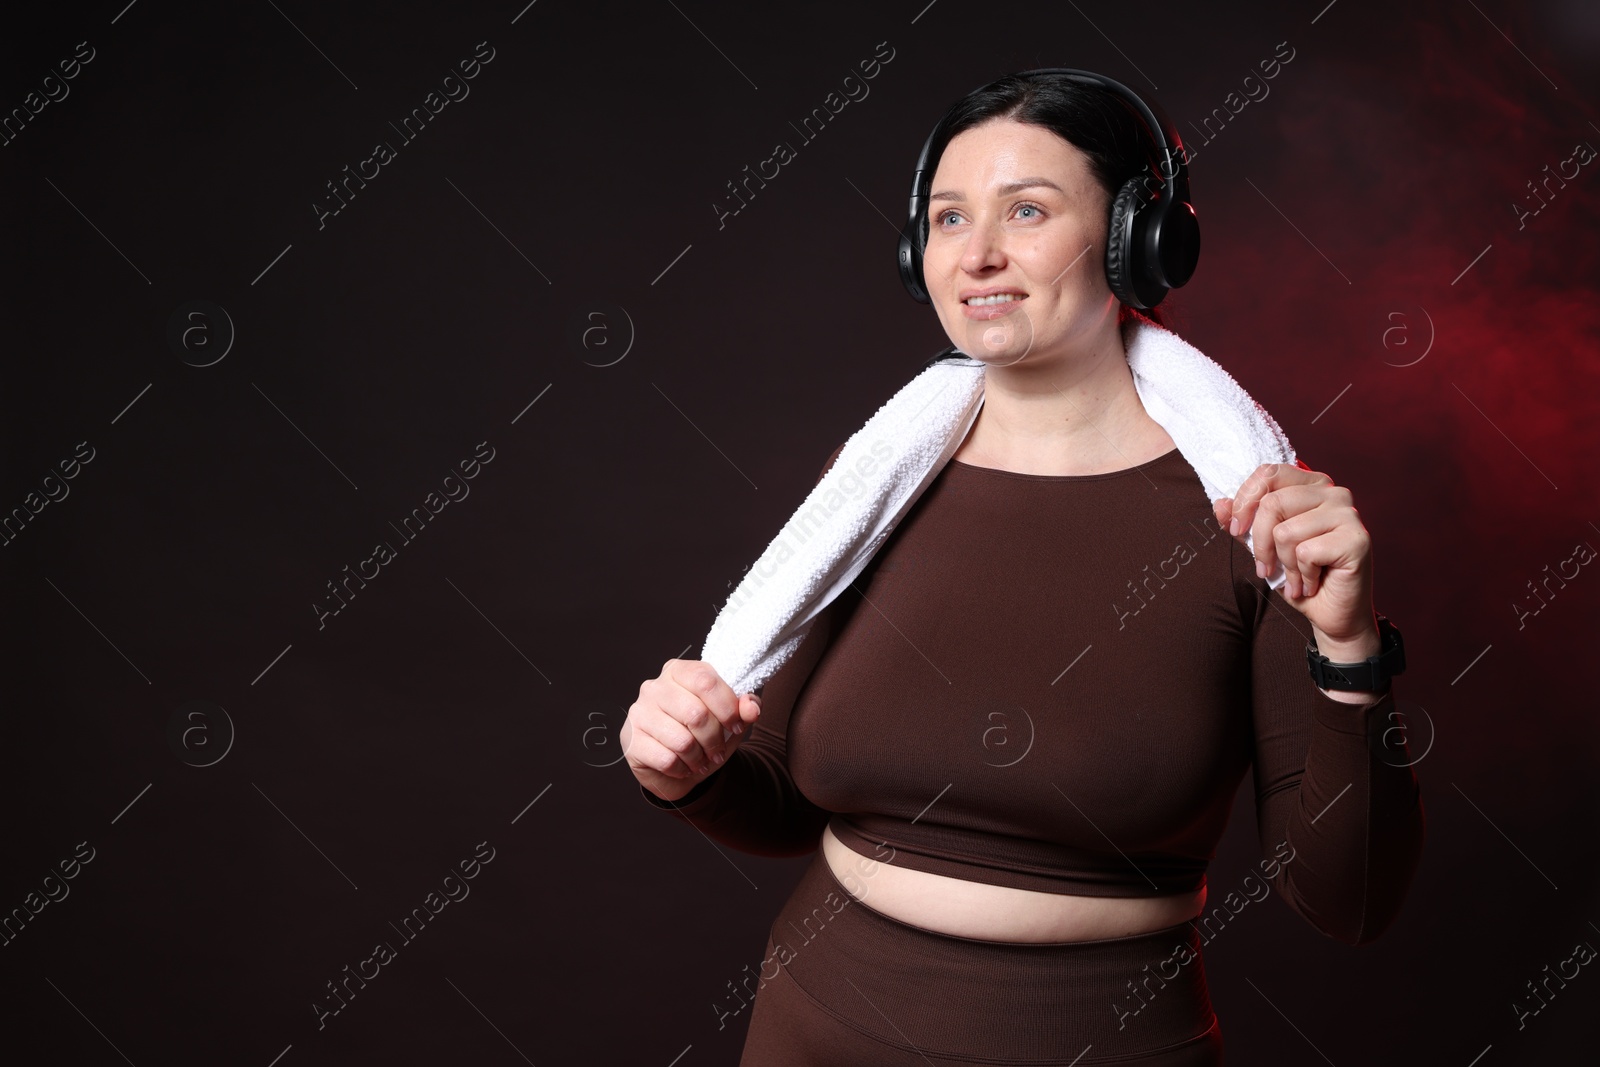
(1057, 683)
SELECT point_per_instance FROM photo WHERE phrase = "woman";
(1027, 788)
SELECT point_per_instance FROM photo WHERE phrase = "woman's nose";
(983, 249)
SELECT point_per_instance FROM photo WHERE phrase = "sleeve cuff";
(1355, 719)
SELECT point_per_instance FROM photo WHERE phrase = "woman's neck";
(1072, 413)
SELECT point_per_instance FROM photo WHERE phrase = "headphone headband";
(1171, 159)
(1148, 252)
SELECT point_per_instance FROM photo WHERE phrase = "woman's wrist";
(1353, 650)
(1350, 650)
(1355, 696)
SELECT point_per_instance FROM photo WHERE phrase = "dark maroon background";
(1358, 216)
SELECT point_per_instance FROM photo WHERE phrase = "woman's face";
(1016, 209)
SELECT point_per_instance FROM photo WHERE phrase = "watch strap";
(1369, 675)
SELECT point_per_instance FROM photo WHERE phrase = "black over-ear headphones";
(1153, 241)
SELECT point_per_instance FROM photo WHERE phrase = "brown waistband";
(937, 993)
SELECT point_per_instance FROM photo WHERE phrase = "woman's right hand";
(685, 724)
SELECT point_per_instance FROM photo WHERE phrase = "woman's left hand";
(1299, 516)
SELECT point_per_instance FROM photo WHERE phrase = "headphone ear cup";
(1122, 243)
(1178, 245)
(911, 261)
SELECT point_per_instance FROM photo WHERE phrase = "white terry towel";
(885, 466)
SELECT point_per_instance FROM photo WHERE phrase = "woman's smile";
(982, 308)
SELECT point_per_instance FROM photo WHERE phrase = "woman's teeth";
(998, 298)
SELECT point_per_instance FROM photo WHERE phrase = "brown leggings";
(844, 985)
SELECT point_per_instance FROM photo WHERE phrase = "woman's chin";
(997, 342)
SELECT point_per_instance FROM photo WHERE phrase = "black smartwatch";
(1372, 674)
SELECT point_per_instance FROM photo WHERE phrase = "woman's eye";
(1036, 212)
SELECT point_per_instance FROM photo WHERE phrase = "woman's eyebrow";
(1004, 190)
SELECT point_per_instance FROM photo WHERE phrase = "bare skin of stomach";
(961, 908)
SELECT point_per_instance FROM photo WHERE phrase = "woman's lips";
(991, 311)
